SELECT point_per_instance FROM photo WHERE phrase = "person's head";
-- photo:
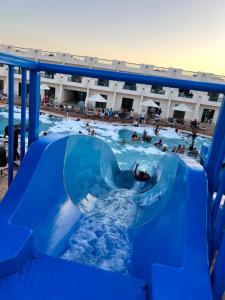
(164, 148)
(80, 132)
(179, 146)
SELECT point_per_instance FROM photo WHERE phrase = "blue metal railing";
(23, 113)
(214, 165)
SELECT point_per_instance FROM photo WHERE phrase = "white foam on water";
(102, 238)
(116, 151)
(68, 125)
(45, 118)
(147, 150)
(169, 133)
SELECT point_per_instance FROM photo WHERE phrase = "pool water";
(126, 153)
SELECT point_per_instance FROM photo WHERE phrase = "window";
(103, 82)
(49, 75)
(1, 85)
(50, 93)
(185, 93)
(127, 104)
(130, 86)
(213, 96)
(75, 78)
(178, 114)
(207, 115)
(17, 70)
(157, 89)
(101, 104)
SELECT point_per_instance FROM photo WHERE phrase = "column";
(88, 92)
(59, 100)
(196, 111)
(10, 124)
(34, 107)
(23, 113)
(114, 96)
(168, 109)
(142, 97)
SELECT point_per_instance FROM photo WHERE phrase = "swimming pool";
(126, 153)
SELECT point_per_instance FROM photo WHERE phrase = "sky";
(187, 34)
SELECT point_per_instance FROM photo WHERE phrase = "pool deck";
(4, 182)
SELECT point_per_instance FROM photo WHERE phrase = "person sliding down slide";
(140, 173)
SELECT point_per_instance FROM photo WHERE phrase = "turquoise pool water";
(126, 154)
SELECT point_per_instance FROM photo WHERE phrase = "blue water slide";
(60, 179)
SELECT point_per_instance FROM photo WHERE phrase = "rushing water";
(102, 239)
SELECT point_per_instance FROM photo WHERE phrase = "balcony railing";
(158, 91)
(131, 87)
(17, 71)
(47, 75)
(77, 79)
(101, 82)
(186, 94)
(214, 98)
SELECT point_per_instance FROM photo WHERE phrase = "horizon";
(187, 35)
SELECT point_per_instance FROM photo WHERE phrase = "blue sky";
(177, 33)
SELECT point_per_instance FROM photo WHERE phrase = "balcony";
(17, 70)
(130, 86)
(48, 75)
(74, 78)
(214, 97)
(158, 90)
(102, 82)
(185, 93)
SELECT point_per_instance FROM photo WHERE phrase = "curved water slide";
(60, 179)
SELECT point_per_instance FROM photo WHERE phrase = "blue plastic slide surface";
(65, 189)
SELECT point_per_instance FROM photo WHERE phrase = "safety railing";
(215, 165)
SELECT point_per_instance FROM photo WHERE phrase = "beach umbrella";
(150, 103)
(44, 87)
(96, 98)
(182, 107)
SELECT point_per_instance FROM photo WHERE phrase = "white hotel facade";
(120, 95)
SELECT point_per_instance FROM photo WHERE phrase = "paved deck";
(4, 182)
